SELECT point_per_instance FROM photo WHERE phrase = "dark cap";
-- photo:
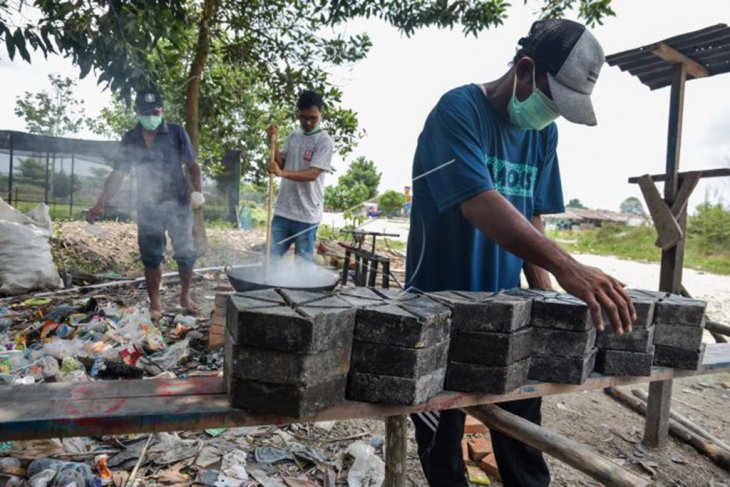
(573, 58)
(148, 100)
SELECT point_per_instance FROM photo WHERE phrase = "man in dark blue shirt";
(158, 150)
(485, 169)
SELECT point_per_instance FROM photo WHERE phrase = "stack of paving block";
(629, 353)
(563, 339)
(680, 323)
(491, 341)
(399, 347)
(287, 353)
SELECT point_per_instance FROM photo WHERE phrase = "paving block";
(485, 312)
(489, 466)
(262, 398)
(644, 304)
(416, 323)
(466, 377)
(687, 337)
(472, 426)
(479, 447)
(621, 362)
(565, 343)
(564, 312)
(362, 297)
(531, 293)
(678, 358)
(394, 390)
(564, 370)
(680, 311)
(639, 340)
(255, 319)
(284, 367)
(378, 358)
(490, 348)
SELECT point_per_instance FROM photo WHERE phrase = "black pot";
(251, 278)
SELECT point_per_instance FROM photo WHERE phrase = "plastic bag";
(26, 263)
(368, 470)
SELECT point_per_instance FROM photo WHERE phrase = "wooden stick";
(685, 422)
(718, 328)
(130, 480)
(560, 447)
(714, 452)
(396, 448)
(269, 211)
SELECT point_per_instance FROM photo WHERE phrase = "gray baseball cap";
(572, 57)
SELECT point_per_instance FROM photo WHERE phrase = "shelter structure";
(673, 62)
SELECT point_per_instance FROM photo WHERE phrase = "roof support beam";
(668, 53)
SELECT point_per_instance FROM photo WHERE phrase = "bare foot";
(189, 305)
(155, 314)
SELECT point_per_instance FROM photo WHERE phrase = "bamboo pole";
(269, 210)
(716, 453)
(396, 448)
(556, 445)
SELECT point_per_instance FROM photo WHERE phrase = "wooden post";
(556, 445)
(656, 428)
(396, 448)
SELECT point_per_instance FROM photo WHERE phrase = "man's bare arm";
(491, 213)
(537, 277)
(305, 176)
(196, 176)
(111, 187)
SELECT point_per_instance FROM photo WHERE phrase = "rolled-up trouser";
(174, 218)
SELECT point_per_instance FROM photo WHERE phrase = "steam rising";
(287, 273)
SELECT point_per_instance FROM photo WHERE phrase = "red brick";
(464, 451)
(215, 340)
(472, 426)
(479, 447)
(489, 465)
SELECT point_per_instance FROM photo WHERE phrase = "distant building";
(582, 218)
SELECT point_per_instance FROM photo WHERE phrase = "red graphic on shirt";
(308, 155)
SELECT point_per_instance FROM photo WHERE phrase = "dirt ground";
(591, 418)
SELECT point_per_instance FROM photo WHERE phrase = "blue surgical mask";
(535, 112)
(149, 122)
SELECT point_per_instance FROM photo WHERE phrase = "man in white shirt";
(301, 164)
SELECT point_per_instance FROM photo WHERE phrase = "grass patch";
(637, 243)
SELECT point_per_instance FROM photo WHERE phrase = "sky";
(402, 78)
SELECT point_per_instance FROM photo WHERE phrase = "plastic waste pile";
(69, 343)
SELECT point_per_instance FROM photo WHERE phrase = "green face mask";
(536, 112)
(315, 130)
(149, 122)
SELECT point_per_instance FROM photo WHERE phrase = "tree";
(391, 201)
(575, 203)
(217, 56)
(710, 228)
(633, 206)
(343, 197)
(113, 121)
(363, 171)
(33, 170)
(56, 113)
(61, 185)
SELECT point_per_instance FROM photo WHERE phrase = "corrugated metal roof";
(709, 47)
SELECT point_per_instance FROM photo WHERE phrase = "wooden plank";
(558, 446)
(667, 227)
(708, 173)
(688, 184)
(668, 53)
(112, 413)
(656, 427)
(396, 451)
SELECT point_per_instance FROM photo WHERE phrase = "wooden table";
(136, 406)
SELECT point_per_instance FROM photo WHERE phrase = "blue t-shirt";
(465, 148)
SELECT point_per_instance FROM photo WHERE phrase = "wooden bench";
(134, 406)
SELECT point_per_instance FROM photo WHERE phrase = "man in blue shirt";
(484, 171)
(158, 150)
